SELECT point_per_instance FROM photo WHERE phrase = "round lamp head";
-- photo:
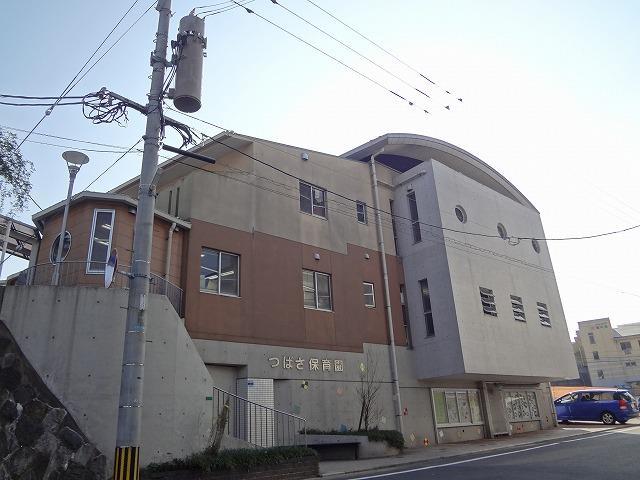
(75, 158)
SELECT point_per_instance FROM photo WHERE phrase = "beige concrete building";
(610, 354)
(272, 266)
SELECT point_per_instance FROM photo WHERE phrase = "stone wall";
(39, 439)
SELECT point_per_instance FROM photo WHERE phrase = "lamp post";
(74, 160)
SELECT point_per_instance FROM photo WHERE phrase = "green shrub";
(393, 437)
(242, 459)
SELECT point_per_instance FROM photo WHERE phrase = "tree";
(367, 391)
(15, 174)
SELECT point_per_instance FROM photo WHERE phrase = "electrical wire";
(74, 147)
(318, 49)
(384, 50)
(113, 164)
(361, 55)
(55, 104)
(27, 97)
(222, 9)
(70, 85)
(63, 138)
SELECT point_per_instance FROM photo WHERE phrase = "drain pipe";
(387, 299)
(167, 258)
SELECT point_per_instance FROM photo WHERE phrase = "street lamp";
(74, 161)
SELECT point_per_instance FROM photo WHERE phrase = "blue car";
(607, 405)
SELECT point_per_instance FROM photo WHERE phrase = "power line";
(70, 85)
(55, 104)
(63, 138)
(275, 2)
(318, 49)
(453, 230)
(208, 13)
(383, 49)
(28, 97)
(113, 164)
(92, 150)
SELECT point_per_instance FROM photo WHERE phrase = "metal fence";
(78, 274)
(257, 424)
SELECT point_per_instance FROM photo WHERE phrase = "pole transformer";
(127, 452)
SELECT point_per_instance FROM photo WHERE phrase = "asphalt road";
(602, 456)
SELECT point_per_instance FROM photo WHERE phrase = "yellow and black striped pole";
(126, 463)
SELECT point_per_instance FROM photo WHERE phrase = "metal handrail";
(257, 424)
(75, 273)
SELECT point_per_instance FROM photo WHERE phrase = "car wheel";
(622, 421)
(608, 418)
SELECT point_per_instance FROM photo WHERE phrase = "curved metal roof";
(403, 151)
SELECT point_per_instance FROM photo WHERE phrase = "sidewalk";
(423, 454)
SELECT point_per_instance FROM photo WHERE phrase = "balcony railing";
(77, 274)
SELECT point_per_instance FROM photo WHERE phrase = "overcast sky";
(550, 91)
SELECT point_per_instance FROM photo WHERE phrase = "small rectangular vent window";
(543, 313)
(596, 355)
(518, 308)
(488, 302)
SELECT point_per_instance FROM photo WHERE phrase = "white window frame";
(466, 391)
(372, 295)
(315, 290)
(112, 211)
(363, 213)
(324, 195)
(220, 252)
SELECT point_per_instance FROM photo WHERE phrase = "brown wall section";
(270, 307)
(79, 225)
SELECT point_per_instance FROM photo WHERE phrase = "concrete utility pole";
(127, 453)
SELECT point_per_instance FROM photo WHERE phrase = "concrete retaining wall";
(73, 337)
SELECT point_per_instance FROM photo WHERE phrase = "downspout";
(387, 299)
(167, 259)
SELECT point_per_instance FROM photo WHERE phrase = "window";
(361, 212)
(415, 222)
(313, 200)
(600, 374)
(568, 398)
(502, 231)
(405, 317)
(518, 308)
(100, 241)
(170, 198)
(592, 339)
(461, 215)
(630, 364)
(316, 288)
(456, 407)
(177, 202)
(596, 355)
(521, 405)
(219, 272)
(488, 302)
(543, 313)
(66, 246)
(426, 306)
(536, 245)
(369, 295)
(393, 226)
(626, 347)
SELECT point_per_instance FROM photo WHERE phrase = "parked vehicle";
(608, 405)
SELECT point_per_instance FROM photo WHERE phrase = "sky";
(550, 100)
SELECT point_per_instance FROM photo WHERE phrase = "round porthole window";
(461, 214)
(66, 246)
(502, 231)
(535, 245)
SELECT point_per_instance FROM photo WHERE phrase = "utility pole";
(127, 452)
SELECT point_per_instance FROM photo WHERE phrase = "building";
(278, 276)
(610, 354)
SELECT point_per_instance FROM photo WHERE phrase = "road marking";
(459, 462)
